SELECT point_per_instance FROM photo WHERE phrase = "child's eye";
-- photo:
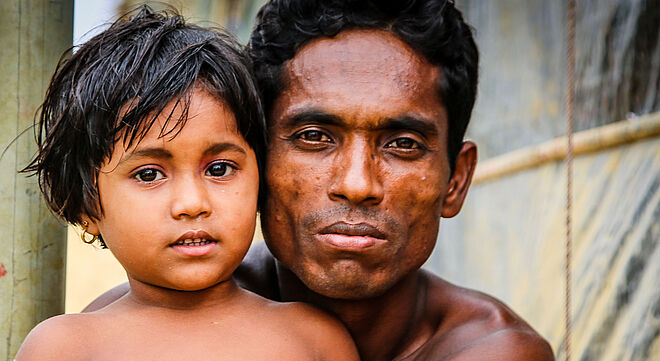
(149, 175)
(219, 169)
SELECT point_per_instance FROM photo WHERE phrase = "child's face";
(163, 195)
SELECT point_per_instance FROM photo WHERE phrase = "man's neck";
(386, 327)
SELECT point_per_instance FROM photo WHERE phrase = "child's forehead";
(183, 125)
(167, 123)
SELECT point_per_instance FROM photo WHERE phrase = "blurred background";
(508, 240)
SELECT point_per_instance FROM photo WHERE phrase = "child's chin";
(196, 286)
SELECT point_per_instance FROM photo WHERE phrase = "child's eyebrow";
(161, 153)
(222, 147)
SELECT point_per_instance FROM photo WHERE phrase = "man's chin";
(347, 285)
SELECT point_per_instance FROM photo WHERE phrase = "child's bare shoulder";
(57, 338)
(321, 332)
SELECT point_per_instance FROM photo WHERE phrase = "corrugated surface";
(509, 241)
(509, 238)
(523, 72)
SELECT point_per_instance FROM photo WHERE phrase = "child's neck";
(154, 296)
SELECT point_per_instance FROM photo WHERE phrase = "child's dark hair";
(115, 86)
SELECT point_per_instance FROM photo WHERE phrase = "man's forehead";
(361, 74)
(359, 56)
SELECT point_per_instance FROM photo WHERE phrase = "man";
(367, 105)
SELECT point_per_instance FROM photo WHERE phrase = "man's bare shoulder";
(58, 338)
(472, 325)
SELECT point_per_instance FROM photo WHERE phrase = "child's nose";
(190, 199)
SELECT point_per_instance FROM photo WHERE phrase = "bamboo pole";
(587, 141)
(33, 35)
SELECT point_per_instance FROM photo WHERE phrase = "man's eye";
(219, 169)
(314, 136)
(149, 175)
(403, 143)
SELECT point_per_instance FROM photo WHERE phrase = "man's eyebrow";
(416, 123)
(312, 116)
(422, 125)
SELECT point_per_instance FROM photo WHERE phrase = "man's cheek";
(424, 191)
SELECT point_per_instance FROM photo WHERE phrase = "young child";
(150, 138)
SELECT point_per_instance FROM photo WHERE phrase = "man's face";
(357, 170)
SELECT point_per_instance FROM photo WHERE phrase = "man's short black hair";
(114, 86)
(434, 28)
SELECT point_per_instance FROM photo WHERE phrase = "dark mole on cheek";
(412, 202)
(296, 186)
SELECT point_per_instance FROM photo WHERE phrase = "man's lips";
(358, 229)
(351, 236)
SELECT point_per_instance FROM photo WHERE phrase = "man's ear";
(460, 180)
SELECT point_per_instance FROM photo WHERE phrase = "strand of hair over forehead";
(134, 69)
(131, 69)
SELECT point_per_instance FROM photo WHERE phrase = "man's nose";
(190, 198)
(356, 175)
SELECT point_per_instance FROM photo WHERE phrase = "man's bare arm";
(107, 298)
(475, 326)
(508, 344)
(511, 344)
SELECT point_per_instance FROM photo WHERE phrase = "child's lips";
(195, 251)
(192, 237)
(194, 244)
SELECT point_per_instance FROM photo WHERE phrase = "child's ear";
(466, 162)
(88, 225)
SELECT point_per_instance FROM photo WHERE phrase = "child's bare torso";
(247, 327)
